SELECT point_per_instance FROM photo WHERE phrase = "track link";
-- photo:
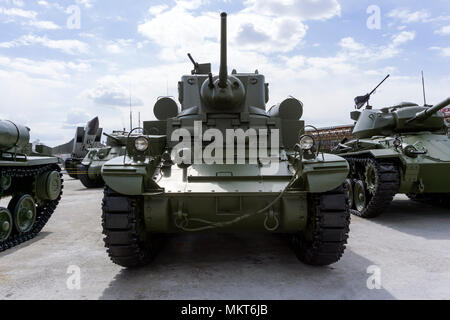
(326, 236)
(127, 242)
(388, 183)
(44, 211)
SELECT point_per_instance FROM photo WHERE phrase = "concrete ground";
(410, 245)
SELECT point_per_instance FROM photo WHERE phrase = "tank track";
(71, 167)
(127, 242)
(44, 212)
(330, 225)
(388, 186)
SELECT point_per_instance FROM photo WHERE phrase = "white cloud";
(47, 25)
(444, 31)
(67, 46)
(85, 3)
(445, 52)
(407, 16)
(50, 69)
(110, 92)
(155, 10)
(118, 46)
(302, 9)
(403, 37)
(16, 12)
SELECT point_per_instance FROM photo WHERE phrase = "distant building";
(331, 136)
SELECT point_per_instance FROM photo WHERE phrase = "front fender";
(325, 173)
(125, 177)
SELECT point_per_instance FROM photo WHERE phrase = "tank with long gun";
(402, 118)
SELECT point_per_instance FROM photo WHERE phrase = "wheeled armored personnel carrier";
(33, 184)
(399, 149)
(89, 171)
(177, 177)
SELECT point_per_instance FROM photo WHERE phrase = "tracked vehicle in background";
(164, 186)
(400, 149)
(89, 171)
(85, 139)
(34, 185)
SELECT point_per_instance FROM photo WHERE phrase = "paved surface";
(410, 244)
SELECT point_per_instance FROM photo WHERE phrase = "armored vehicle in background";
(85, 139)
(177, 177)
(89, 171)
(33, 184)
(400, 149)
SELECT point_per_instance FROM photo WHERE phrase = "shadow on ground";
(240, 266)
(39, 237)
(418, 219)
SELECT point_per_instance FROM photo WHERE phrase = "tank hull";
(221, 193)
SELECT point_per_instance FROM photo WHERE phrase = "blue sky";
(56, 74)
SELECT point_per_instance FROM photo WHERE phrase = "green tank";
(177, 178)
(399, 149)
(89, 171)
(34, 185)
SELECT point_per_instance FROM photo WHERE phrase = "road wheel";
(126, 239)
(323, 242)
(349, 190)
(23, 208)
(360, 196)
(6, 224)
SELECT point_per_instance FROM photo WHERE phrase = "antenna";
(423, 88)
(131, 114)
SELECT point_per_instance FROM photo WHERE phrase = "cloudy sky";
(64, 62)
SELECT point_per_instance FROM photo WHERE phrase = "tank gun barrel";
(112, 137)
(423, 115)
(223, 74)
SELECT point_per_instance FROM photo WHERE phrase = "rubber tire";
(329, 225)
(88, 182)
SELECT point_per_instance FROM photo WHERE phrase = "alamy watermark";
(374, 280)
(252, 146)
(374, 20)
(73, 282)
(74, 19)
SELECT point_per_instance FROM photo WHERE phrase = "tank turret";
(13, 136)
(402, 118)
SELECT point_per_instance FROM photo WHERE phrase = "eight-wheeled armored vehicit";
(33, 184)
(399, 149)
(218, 161)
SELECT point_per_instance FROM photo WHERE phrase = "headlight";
(306, 143)
(141, 144)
